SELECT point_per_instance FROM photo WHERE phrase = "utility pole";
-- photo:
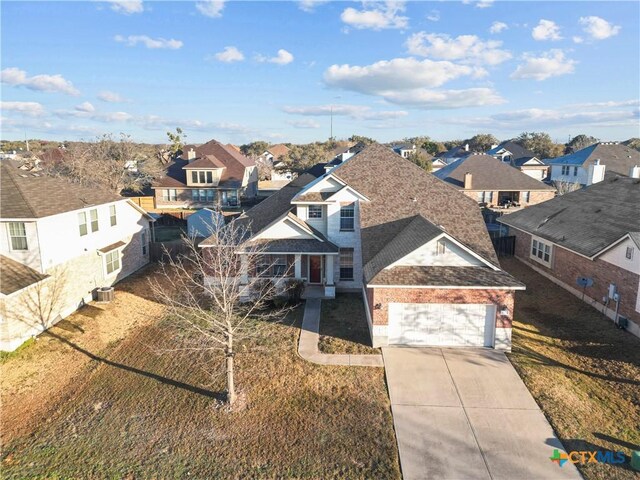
(331, 134)
(26, 141)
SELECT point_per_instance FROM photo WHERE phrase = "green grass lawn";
(343, 326)
(138, 414)
(583, 372)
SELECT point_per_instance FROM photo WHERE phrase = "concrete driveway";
(465, 414)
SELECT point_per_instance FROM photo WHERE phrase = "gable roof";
(488, 173)
(522, 161)
(35, 195)
(517, 151)
(587, 220)
(616, 157)
(455, 152)
(406, 191)
(16, 276)
(278, 150)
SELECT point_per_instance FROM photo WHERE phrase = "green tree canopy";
(541, 144)
(579, 142)
(254, 148)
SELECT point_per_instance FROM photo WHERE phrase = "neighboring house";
(61, 242)
(272, 159)
(404, 149)
(416, 248)
(532, 166)
(521, 158)
(594, 233)
(591, 164)
(209, 175)
(8, 155)
(492, 182)
(456, 153)
(204, 222)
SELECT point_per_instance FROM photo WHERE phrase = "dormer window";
(201, 176)
(315, 211)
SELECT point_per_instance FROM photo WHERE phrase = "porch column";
(244, 269)
(328, 269)
(297, 266)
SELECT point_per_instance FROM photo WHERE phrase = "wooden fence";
(504, 246)
(159, 250)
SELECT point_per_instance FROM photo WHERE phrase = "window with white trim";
(144, 237)
(263, 264)
(82, 223)
(629, 253)
(541, 251)
(18, 236)
(526, 196)
(575, 171)
(315, 211)
(565, 170)
(169, 195)
(112, 261)
(112, 215)
(485, 197)
(346, 264)
(347, 218)
(279, 267)
(93, 216)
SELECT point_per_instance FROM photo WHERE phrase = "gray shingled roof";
(616, 157)
(16, 276)
(293, 245)
(446, 277)
(35, 195)
(517, 150)
(406, 191)
(418, 232)
(587, 220)
(488, 173)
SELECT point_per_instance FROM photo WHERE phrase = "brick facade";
(534, 196)
(567, 266)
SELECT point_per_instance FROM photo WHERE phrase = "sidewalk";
(308, 346)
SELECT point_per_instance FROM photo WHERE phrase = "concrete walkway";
(308, 346)
(466, 414)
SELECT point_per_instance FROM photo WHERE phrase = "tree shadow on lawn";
(220, 396)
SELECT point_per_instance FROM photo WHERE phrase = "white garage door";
(441, 324)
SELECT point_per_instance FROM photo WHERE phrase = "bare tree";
(565, 187)
(216, 298)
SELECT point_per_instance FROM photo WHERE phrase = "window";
(441, 247)
(145, 241)
(18, 236)
(112, 261)
(202, 177)
(93, 215)
(526, 196)
(112, 215)
(209, 177)
(541, 251)
(169, 195)
(262, 266)
(575, 171)
(346, 264)
(279, 267)
(211, 195)
(565, 170)
(485, 197)
(347, 214)
(82, 223)
(629, 253)
(194, 176)
(315, 211)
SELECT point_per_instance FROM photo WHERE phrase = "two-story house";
(209, 175)
(592, 163)
(521, 158)
(494, 183)
(414, 246)
(591, 234)
(59, 243)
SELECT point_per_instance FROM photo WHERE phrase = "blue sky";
(242, 71)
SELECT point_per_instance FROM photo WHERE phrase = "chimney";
(595, 173)
(634, 172)
(468, 181)
(466, 147)
(191, 154)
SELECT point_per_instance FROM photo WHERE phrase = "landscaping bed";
(136, 413)
(583, 372)
(343, 326)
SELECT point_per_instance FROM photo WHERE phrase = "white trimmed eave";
(301, 225)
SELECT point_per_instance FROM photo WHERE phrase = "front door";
(315, 269)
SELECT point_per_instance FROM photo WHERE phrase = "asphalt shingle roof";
(16, 276)
(446, 277)
(35, 195)
(587, 220)
(517, 150)
(293, 245)
(616, 157)
(488, 173)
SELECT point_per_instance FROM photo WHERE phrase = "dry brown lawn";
(582, 371)
(128, 411)
(343, 326)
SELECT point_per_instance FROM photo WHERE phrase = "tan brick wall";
(567, 266)
(384, 296)
(534, 197)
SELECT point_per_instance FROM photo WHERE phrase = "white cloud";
(31, 109)
(210, 8)
(479, 3)
(85, 107)
(355, 112)
(609, 104)
(111, 97)
(445, 99)
(577, 39)
(229, 55)
(127, 6)
(546, 30)
(550, 64)
(598, 28)
(464, 48)
(497, 27)
(376, 16)
(306, 123)
(42, 83)
(153, 43)
(282, 58)
(310, 5)
(434, 16)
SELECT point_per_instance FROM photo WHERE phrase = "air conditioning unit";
(622, 323)
(105, 294)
